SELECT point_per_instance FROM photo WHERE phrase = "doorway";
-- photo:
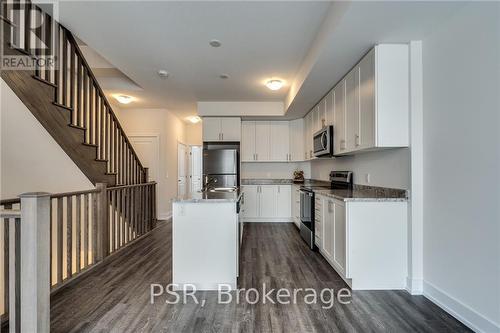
(195, 168)
(182, 169)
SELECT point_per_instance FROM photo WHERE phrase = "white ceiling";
(259, 39)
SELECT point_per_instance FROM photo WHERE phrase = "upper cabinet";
(279, 141)
(297, 140)
(374, 109)
(221, 129)
(272, 141)
(339, 117)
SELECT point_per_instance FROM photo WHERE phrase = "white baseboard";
(414, 286)
(260, 220)
(468, 316)
(165, 216)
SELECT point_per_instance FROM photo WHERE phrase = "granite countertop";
(358, 193)
(205, 196)
(266, 181)
(364, 193)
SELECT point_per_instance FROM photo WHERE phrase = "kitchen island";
(206, 236)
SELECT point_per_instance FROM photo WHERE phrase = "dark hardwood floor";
(115, 297)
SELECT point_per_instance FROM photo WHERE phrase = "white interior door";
(196, 168)
(147, 148)
(182, 171)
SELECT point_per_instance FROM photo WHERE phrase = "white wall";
(31, 160)
(461, 165)
(194, 134)
(235, 109)
(388, 168)
(272, 170)
(171, 130)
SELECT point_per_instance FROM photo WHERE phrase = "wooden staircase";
(66, 98)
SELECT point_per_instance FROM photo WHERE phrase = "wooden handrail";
(129, 186)
(68, 194)
(10, 201)
(79, 91)
(98, 87)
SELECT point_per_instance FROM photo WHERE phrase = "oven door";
(307, 217)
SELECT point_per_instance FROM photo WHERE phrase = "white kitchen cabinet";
(295, 202)
(279, 141)
(316, 114)
(231, 129)
(318, 220)
(211, 129)
(262, 140)
(339, 123)
(250, 206)
(297, 140)
(322, 113)
(267, 203)
(366, 129)
(339, 235)
(247, 141)
(377, 101)
(309, 135)
(352, 109)
(329, 109)
(217, 129)
(283, 203)
(365, 242)
(327, 243)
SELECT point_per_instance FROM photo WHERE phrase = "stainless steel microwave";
(323, 142)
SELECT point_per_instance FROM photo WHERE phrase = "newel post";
(146, 175)
(102, 222)
(35, 262)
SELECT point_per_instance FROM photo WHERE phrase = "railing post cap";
(34, 195)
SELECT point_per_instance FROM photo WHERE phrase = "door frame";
(191, 165)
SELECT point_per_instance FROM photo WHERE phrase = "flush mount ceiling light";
(224, 76)
(163, 73)
(215, 43)
(274, 84)
(124, 99)
(194, 119)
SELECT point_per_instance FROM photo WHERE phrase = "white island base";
(205, 244)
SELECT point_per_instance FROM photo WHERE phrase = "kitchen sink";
(222, 189)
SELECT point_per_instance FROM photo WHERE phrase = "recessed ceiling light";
(274, 84)
(163, 73)
(124, 99)
(194, 119)
(215, 43)
(224, 76)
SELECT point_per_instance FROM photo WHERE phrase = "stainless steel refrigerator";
(220, 168)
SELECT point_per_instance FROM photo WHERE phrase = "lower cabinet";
(296, 205)
(333, 244)
(267, 203)
(365, 242)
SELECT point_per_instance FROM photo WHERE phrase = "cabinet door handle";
(356, 140)
(256, 156)
(222, 135)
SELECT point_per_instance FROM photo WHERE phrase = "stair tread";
(44, 81)
(63, 106)
(77, 127)
(89, 144)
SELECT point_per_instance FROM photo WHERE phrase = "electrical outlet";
(367, 178)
